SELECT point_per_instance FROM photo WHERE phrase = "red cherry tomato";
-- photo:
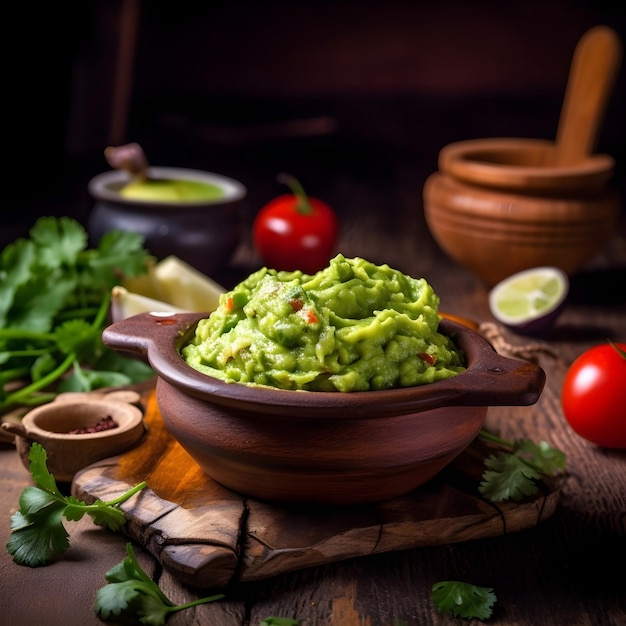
(594, 395)
(295, 232)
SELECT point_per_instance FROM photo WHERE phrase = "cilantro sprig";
(54, 300)
(132, 595)
(515, 473)
(463, 599)
(37, 531)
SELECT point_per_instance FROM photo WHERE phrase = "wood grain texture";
(208, 536)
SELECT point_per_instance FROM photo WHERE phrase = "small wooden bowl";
(499, 206)
(322, 447)
(51, 424)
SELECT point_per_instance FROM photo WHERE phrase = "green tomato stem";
(303, 205)
(619, 350)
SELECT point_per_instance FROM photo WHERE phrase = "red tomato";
(594, 395)
(295, 232)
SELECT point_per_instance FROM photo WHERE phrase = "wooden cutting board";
(208, 536)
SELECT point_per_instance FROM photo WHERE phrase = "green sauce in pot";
(174, 190)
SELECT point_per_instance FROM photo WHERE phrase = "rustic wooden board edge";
(191, 558)
(248, 555)
(262, 560)
(224, 537)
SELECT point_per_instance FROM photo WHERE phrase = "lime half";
(531, 300)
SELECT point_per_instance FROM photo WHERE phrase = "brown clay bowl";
(322, 447)
(499, 206)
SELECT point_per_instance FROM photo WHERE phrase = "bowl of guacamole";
(345, 387)
(353, 326)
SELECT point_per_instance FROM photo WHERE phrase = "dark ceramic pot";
(204, 233)
(322, 447)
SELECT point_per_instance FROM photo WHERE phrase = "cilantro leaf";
(515, 474)
(37, 303)
(37, 531)
(119, 249)
(88, 380)
(134, 369)
(76, 336)
(463, 600)
(15, 262)
(133, 596)
(508, 478)
(35, 501)
(59, 241)
(35, 540)
(546, 459)
(38, 468)
(130, 598)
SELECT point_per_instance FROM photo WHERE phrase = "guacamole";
(353, 326)
(171, 190)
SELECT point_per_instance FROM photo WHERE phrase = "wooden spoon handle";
(129, 157)
(595, 63)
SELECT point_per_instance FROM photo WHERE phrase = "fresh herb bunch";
(37, 531)
(514, 474)
(54, 302)
(463, 600)
(133, 597)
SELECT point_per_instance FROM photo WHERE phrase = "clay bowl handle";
(140, 335)
(154, 337)
(491, 379)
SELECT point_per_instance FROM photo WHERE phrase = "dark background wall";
(249, 89)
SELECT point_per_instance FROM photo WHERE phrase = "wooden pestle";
(595, 63)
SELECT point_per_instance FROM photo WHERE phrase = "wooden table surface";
(567, 570)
